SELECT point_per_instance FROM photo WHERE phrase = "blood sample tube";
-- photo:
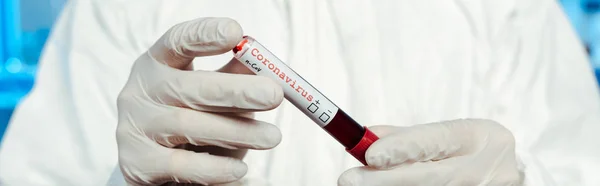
(305, 97)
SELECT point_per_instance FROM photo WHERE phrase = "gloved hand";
(458, 153)
(165, 105)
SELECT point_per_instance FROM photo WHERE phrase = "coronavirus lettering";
(256, 53)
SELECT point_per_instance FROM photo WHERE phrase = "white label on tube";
(296, 90)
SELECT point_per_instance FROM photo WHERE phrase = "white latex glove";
(458, 152)
(165, 106)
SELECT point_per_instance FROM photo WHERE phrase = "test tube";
(353, 136)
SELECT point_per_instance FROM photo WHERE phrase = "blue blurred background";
(25, 25)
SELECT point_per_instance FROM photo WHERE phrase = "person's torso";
(392, 63)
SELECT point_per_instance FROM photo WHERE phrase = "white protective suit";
(384, 62)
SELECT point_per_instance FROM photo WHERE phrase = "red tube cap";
(360, 149)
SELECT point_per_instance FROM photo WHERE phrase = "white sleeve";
(62, 133)
(116, 178)
(561, 147)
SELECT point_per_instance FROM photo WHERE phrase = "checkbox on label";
(313, 108)
(324, 117)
